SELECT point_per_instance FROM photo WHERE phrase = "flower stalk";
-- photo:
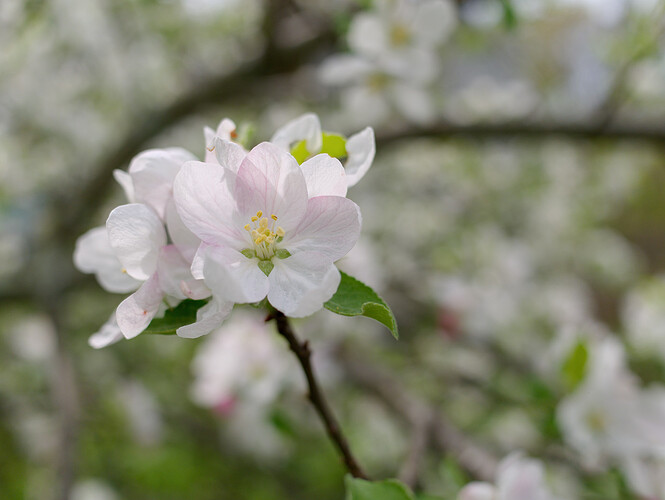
(315, 395)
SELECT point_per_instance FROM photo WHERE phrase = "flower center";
(400, 35)
(264, 235)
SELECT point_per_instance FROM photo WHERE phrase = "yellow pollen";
(259, 213)
(254, 218)
(265, 236)
(264, 222)
(280, 232)
(124, 270)
(248, 227)
(273, 217)
(260, 239)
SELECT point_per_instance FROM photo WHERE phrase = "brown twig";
(315, 395)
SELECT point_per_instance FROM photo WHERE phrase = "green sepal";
(354, 298)
(266, 266)
(282, 253)
(181, 315)
(334, 145)
(300, 152)
(390, 489)
(249, 253)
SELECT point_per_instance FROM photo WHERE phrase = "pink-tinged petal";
(477, 491)
(126, 183)
(108, 334)
(232, 276)
(172, 269)
(300, 284)
(304, 128)
(208, 318)
(135, 313)
(195, 289)
(152, 175)
(93, 255)
(360, 149)
(136, 235)
(324, 176)
(224, 131)
(198, 260)
(331, 227)
(270, 180)
(204, 200)
(186, 241)
(228, 154)
(521, 478)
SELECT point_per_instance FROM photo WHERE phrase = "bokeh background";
(515, 209)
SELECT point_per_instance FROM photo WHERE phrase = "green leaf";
(574, 367)
(183, 314)
(334, 145)
(391, 489)
(354, 298)
(509, 15)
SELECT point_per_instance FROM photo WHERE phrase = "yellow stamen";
(254, 218)
(280, 232)
(273, 217)
(259, 213)
(264, 222)
(248, 227)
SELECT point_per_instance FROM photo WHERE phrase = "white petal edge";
(304, 128)
(232, 276)
(136, 234)
(302, 283)
(135, 313)
(324, 176)
(208, 318)
(108, 334)
(360, 149)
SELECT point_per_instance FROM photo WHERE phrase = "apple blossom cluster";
(239, 227)
(517, 478)
(611, 421)
(393, 59)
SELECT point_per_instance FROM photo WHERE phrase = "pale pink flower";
(269, 227)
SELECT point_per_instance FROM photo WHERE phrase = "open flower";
(304, 133)
(138, 238)
(269, 227)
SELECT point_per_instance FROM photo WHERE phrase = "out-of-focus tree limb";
(478, 462)
(639, 131)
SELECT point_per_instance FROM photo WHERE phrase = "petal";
(224, 131)
(331, 228)
(152, 174)
(228, 154)
(367, 35)
(270, 180)
(198, 260)
(343, 70)
(324, 176)
(135, 313)
(93, 254)
(477, 491)
(125, 180)
(208, 318)
(202, 193)
(300, 284)
(186, 241)
(232, 276)
(434, 22)
(136, 235)
(304, 128)
(172, 269)
(108, 334)
(360, 149)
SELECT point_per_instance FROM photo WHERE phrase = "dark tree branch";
(478, 462)
(315, 395)
(640, 131)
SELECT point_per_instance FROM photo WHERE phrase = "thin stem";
(315, 395)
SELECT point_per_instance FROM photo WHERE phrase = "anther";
(259, 213)
(273, 217)
(247, 227)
